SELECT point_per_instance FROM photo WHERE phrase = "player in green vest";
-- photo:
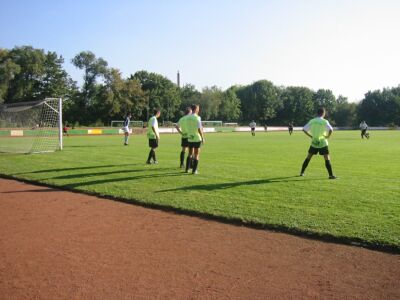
(319, 130)
(195, 139)
(153, 135)
(182, 129)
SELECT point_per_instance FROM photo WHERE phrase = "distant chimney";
(178, 80)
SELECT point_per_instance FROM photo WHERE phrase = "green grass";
(252, 179)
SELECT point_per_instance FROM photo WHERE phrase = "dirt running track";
(61, 245)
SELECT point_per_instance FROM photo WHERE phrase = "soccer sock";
(126, 139)
(195, 164)
(305, 164)
(329, 167)
(150, 155)
(154, 155)
(182, 157)
(188, 161)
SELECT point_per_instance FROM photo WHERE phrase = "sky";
(349, 47)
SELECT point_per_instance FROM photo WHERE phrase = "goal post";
(31, 127)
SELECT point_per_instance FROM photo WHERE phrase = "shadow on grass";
(228, 185)
(74, 168)
(127, 178)
(124, 171)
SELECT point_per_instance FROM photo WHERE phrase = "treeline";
(28, 74)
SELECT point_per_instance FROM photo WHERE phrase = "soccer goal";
(211, 123)
(31, 127)
(231, 124)
(120, 124)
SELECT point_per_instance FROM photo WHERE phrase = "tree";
(28, 74)
(345, 113)
(298, 105)
(8, 70)
(259, 101)
(84, 102)
(229, 109)
(210, 101)
(326, 99)
(93, 68)
(189, 95)
(118, 97)
(162, 94)
(55, 81)
(381, 108)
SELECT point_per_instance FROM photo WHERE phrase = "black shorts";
(153, 143)
(253, 129)
(185, 142)
(195, 145)
(321, 151)
(363, 131)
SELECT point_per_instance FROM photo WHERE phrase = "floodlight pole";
(60, 125)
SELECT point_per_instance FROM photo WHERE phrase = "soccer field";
(242, 178)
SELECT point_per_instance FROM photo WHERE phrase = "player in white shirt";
(253, 128)
(126, 128)
(364, 128)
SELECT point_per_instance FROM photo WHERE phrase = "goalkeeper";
(319, 130)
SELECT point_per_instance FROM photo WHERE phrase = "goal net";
(120, 124)
(231, 124)
(31, 127)
(211, 123)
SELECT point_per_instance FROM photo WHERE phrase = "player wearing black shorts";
(182, 129)
(290, 127)
(364, 128)
(126, 128)
(195, 138)
(154, 136)
(253, 128)
(319, 130)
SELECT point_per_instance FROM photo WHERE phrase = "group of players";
(191, 130)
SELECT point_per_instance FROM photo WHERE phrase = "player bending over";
(195, 139)
(253, 128)
(126, 128)
(153, 135)
(183, 130)
(364, 128)
(319, 130)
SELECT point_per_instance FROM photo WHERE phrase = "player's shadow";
(228, 185)
(127, 178)
(123, 171)
(74, 168)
